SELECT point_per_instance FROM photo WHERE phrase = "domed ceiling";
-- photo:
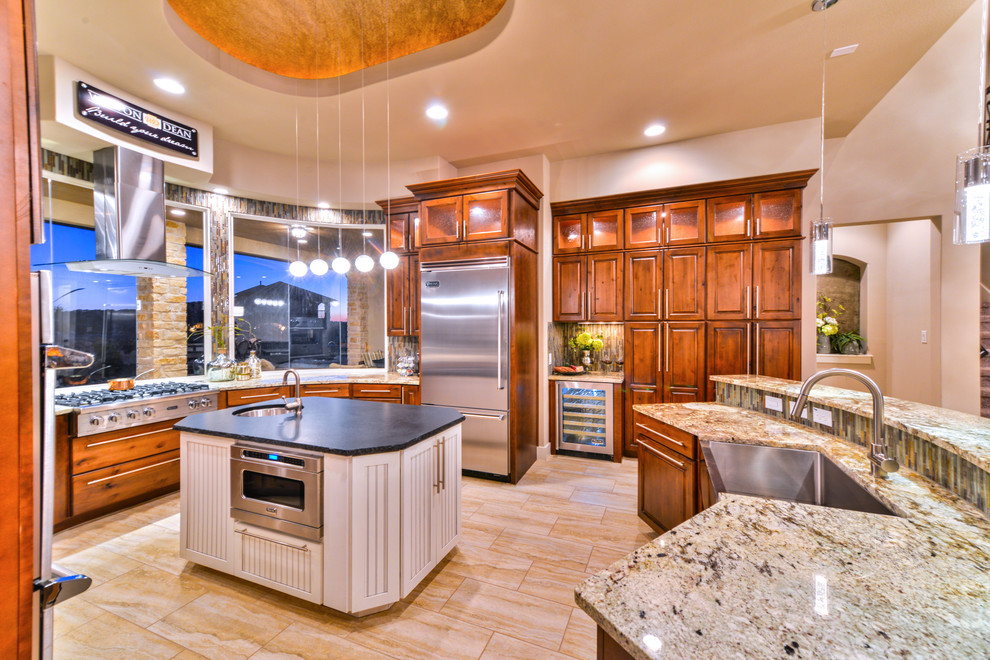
(318, 39)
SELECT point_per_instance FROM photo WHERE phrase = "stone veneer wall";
(161, 316)
(966, 480)
(357, 316)
(400, 347)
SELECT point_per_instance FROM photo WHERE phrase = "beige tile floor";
(507, 591)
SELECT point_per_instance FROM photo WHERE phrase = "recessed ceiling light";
(221, 191)
(436, 111)
(177, 212)
(821, 5)
(654, 129)
(298, 231)
(845, 50)
(323, 205)
(366, 233)
(169, 85)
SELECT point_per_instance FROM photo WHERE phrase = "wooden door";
(684, 284)
(569, 288)
(641, 349)
(568, 233)
(667, 488)
(777, 280)
(605, 231)
(643, 226)
(729, 348)
(486, 215)
(777, 213)
(729, 283)
(777, 349)
(730, 218)
(397, 302)
(412, 327)
(683, 362)
(440, 220)
(398, 232)
(684, 223)
(644, 282)
(605, 286)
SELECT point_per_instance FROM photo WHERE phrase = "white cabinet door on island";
(389, 514)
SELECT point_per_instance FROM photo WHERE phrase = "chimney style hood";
(129, 202)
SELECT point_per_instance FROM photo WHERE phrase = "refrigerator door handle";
(498, 417)
(61, 587)
(498, 342)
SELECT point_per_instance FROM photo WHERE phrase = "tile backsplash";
(558, 334)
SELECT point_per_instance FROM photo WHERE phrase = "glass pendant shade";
(389, 260)
(364, 263)
(318, 267)
(340, 265)
(972, 197)
(298, 268)
(821, 246)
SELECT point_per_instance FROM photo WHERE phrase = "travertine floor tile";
(614, 517)
(112, 638)
(412, 632)
(608, 499)
(145, 594)
(581, 636)
(73, 613)
(503, 647)
(493, 567)
(568, 554)
(604, 556)
(548, 579)
(507, 517)
(433, 592)
(153, 545)
(564, 508)
(478, 533)
(307, 643)
(98, 563)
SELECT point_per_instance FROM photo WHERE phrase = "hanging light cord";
(821, 149)
(984, 119)
(388, 120)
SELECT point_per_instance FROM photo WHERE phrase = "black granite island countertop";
(333, 426)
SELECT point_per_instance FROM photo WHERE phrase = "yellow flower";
(597, 344)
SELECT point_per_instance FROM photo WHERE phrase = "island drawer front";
(111, 486)
(256, 395)
(337, 390)
(282, 562)
(105, 449)
(375, 391)
(673, 439)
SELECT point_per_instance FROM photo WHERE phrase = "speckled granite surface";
(590, 377)
(960, 433)
(752, 577)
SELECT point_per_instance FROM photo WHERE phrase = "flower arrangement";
(585, 342)
(827, 322)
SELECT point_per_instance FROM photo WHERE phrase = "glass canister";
(243, 371)
(254, 365)
(220, 368)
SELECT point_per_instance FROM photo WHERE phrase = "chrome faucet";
(297, 404)
(880, 463)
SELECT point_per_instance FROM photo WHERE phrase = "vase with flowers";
(222, 366)
(827, 323)
(586, 343)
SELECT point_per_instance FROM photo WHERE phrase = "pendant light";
(364, 263)
(388, 259)
(821, 229)
(318, 266)
(298, 268)
(340, 265)
(972, 223)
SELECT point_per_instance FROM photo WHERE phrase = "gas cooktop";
(99, 397)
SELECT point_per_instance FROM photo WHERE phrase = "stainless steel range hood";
(129, 203)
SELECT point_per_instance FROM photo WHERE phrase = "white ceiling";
(563, 78)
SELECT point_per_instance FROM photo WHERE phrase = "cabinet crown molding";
(399, 205)
(504, 180)
(748, 185)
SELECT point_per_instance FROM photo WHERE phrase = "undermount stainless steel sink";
(264, 411)
(786, 474)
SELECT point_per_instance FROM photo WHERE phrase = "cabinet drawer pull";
(126, 437)
(124, 474)
(259, 396)
(660, 454)
(323, 391)
(666, 303)
(647, 428)
(436, 464)
(244, 532)
(375, 391)
(756, 340)
(757, 311)
(443, 462)
(749, 308)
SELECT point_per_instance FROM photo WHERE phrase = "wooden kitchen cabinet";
(729, 282)
(331, 390)
(402, 215)
(684, 362)
(257, 394)
(684, 284)
(730, 218)
(730, 349)
(777, 349)
(642, 371)
(569, 233)
(486, 215)
(410, 395)
(643, 226)
(569, 288)
(668, 474)
(684, 223)
(604, 282)
(644, 280)
(777, 213)
(441, 220)
(386, 393)
(777, 280)
(605, 231)
(402, 301)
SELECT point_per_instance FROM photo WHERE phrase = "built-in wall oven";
(279, 490)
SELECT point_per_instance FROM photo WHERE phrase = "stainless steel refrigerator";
(464, 354)
(52, 585)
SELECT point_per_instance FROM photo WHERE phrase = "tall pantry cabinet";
(706, 279)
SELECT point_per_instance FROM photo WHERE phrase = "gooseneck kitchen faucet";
(880, 463)
(296, 405)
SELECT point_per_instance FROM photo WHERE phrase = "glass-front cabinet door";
(584, 417)
(568, 233)
(441, 220)
(486, 215)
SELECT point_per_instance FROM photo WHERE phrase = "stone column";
(357, 316)
(161, 317)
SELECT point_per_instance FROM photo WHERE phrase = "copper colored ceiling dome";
(316, 39)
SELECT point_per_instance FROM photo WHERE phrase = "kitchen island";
(757, 577)
(347, 503)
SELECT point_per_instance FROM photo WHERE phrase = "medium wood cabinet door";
(605, 231)
(641, 349)
(777, 280)
(730, 218)
(486, 215)
(777, 349)
(729, 283)
(643, 226)
(644, 281)
(568, 233)
(605, 286)
(397, 309)
(684, 223)
(777, 213)
(729, 350)
(398, 232)
(684, 284)
(569, 288)
(635, 396)
(667, 485)
(706, 492)
(683, 362)
(413, 325)
(440, 220)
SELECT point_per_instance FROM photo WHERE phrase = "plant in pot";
(221, 367)
(849, 343)
(586, 343)
(827, 323)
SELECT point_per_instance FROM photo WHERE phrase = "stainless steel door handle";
(481, 416)
(436, 466)
(498, 342)
(244, 532)
(756, 312)
(756, 363)
(63, 586)
(749, 308)
(666, 345)
(442, 444)
(749, 348)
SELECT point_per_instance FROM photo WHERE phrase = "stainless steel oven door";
(286, 487)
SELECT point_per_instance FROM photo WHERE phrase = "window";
(309, 320)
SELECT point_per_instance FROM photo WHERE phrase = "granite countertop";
(754, 577)
(333, 426)
(960, 433)
(591, 377)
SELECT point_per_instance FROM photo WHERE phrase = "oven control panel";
(142, 411)
(275, 458)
